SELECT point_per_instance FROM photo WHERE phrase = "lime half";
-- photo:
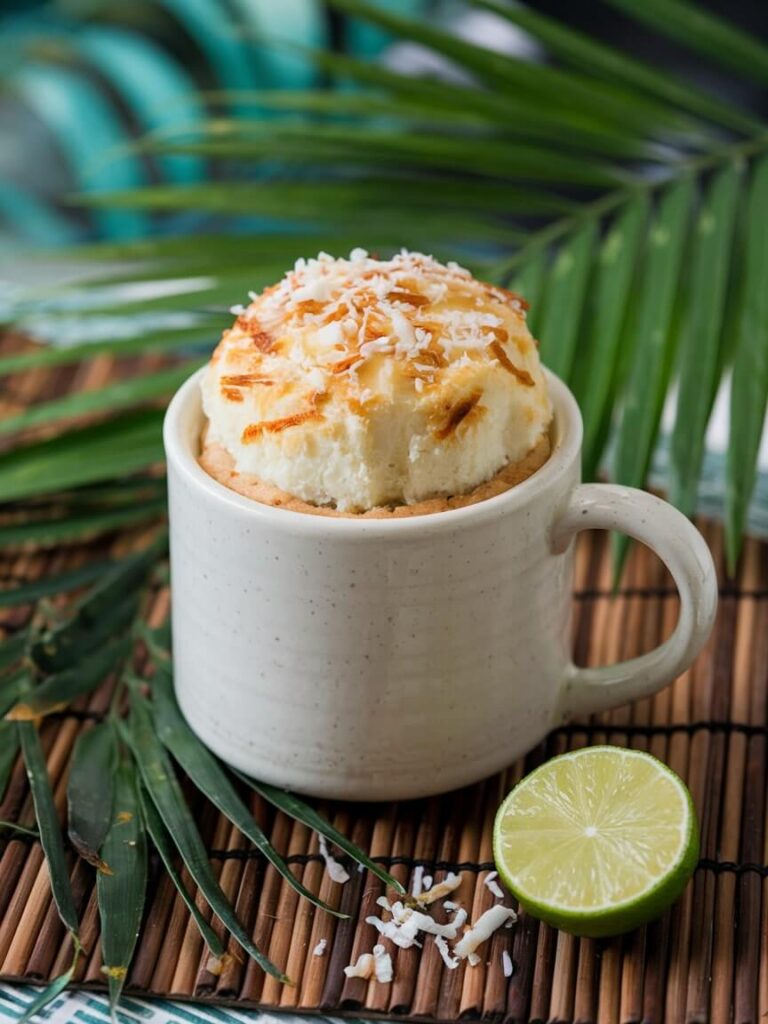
(597, 841)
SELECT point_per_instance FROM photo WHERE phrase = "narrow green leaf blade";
(9, 749)
(544, 84)
(50, 532)
(58, 583)
(12, 687)
(69, 645)
(653, 342)
(48, 826)
(529, 283)
(12, 649)
(749, 384)
(162, 786)
(209, 777)
(705, 33)
(102, 612)
(119, 348)
(596, 58)
(121, 885)
(295, 808)
(48, 994)
(565, 289)
(89, 790)
(702, 332)
(164, 847)
(594, 381)
(83, 455)
(61, 689)
(123, 393)
(12, 826)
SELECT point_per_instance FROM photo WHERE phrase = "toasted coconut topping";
(522, 375)
(441, 355)
(232, 394)
(244, 380)
(458, 414)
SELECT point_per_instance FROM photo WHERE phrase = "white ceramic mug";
(386, 659)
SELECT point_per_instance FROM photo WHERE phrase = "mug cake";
(376, 387)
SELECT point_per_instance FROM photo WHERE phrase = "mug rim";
(567, 433)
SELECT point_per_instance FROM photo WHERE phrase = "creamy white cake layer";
(362, 382)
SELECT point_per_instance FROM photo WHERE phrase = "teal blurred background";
(82, 78)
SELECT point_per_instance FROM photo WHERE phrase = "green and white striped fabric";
(91, 1008)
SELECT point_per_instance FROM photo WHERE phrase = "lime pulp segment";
(597, 841)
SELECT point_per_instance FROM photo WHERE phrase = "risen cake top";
(364, 382)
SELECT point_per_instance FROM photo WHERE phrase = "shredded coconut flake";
(506, 964)
(451, 962)
(363, 967)
(407, 923)
(418, 879)
(450, 905)
(493, 886)
(449, 884)
(483, 928)
(336, 871)
(382, 965)
(319, 949)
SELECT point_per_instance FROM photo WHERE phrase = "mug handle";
(683, 550)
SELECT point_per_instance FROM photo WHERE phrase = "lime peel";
(597, 841)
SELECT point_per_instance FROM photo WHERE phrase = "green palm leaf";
(749, 385)
(9, 749)
(121, 883)
(653, 340)
(702, 332)
(699, 30)
(595, 375)
(595, 58)
(162, 843)
(565, 289)
(209, 777)
(163, 788)
(89, 805)
(49, 828)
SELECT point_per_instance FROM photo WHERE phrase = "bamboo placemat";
(707, 959)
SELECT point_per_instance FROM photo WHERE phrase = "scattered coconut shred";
(448, 885)
(492, 885)
(319, 949)
(418, 881)
(377, 964)
(482, 930)
(336, 871)
(407, 922)
(506, 964)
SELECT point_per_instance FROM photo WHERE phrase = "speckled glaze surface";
(396, 658)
